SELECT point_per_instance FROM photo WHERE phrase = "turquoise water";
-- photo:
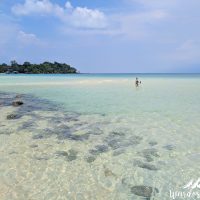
(160, 118)
(111, 94)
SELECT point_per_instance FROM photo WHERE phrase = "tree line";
(42, 68)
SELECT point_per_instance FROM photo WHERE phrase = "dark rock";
(94, 152)
(42, 158)
(27, 125)
(135, 138)
(63, 135)
(13, 116)
(153, 143)
(62, 153)
(60, 126)
(121, 143)
(144, 191)
(114, 143)
(90, 159)
(13, 152)
(99, 149)
(79, 137)
(149, 154)
(169, 147)
(48, 132)
(33, 145)
(70, 155)
(109, 173)
(149, 158)
(115, 133)
(145, 165)
(17, 103)
(117, 140)
(36, 137)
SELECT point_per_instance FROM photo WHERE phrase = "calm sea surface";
(97, 136)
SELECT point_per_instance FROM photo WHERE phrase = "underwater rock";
(94, 152)
(63, 135)
(149, 154)
(146, 165)
(72, 155)
(33, 146)
(13, 116)
(27, 125)
(115, 133)
(13, 152)
(117, 140)
(90, 159)
(149, 158)
(114, 144)
(169, 147)
(144, 191)
(45, 133)
(39, 136)
(109, 173)
(62, 153)
(99, 149)
(42, 158)
(135, 139)
(17, 103)
(69, 155)
(153, 143)
(79, 137)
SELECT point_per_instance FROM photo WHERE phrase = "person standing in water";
(136, 82)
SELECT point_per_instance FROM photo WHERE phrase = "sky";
(103, 36)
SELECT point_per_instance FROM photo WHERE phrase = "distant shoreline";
(102, 73)
(42, 68)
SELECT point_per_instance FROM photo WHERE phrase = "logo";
(190, 190)
(192, 184)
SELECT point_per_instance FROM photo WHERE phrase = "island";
(42, 68)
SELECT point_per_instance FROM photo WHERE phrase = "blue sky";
(103, 35)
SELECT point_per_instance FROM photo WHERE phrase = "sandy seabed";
(48, 153)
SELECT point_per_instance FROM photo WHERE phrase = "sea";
(99, 137)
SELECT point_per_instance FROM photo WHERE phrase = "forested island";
(43, 68)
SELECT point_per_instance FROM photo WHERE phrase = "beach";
(97, 136)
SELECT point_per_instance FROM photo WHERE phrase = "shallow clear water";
(118, 136)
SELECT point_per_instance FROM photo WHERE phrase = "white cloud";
(33, 7)
(79, 17)
(68, 5)
(84, 17)
(131, 25)
(27, 38)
